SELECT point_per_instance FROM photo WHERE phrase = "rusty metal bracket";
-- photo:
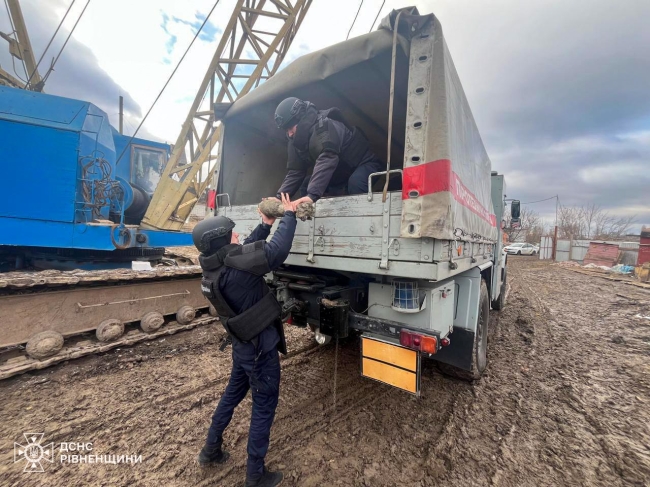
(122, 232)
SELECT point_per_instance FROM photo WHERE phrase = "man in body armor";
(233, 281)
(325, 153)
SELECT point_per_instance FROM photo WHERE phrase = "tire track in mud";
(560, 334)
(588, 310)
(506, 329)
(298, 412)
(305, 414)
(282, 444)
(556, 407)
(506, 449)
(118, 416)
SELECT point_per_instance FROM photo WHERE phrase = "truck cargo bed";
(346, 235)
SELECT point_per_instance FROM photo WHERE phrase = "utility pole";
(557, 202)
(121, 115)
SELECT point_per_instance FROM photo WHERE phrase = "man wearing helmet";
(325, 152)
(233, 281)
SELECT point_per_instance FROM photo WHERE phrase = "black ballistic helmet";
(212, 233)
(289, 112)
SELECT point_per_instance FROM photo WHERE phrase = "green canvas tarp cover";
(446, 170)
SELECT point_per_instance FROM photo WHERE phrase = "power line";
(539, 201)
(167, 82)
(354, 21)
(128, 123)
(50, 43)
(65, 43)
(377, 16)
(13, 63)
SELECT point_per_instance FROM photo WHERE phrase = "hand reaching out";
(302, 200)
(269, 220)
(287, 204)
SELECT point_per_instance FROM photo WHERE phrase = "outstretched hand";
(287, 204)
(269, 220)
(304, 199)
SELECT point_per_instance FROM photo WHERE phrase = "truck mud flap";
(391, 364)
(460, 352)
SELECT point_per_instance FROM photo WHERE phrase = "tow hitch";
(334, 317)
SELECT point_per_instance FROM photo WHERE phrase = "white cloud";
(613, 174)
(641, 137)
(579, 144)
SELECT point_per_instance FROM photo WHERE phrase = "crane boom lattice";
(252, 47)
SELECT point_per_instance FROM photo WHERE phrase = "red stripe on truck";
(436, 176)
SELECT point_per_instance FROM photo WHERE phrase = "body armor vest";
(251, 258)
(315, 134)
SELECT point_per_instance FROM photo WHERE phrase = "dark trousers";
(262, 377)
(358, 181)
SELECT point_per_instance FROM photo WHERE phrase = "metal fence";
(579, 250)
(576, 250)
(546, 248)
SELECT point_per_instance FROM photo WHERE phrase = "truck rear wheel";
(499, 302)
(479, 350)
(480, 340)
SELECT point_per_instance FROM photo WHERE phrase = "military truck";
(414, 265)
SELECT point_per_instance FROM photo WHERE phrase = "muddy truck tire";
(500, 302)
(479, 350)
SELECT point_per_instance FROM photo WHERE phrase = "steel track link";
(23, 363)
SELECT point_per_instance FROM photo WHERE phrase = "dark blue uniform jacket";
(242, 289)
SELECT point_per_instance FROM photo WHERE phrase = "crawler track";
(16, 361)
(71, 306)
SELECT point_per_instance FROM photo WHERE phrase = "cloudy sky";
(560, 90)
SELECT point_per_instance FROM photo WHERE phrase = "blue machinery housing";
(63, 185)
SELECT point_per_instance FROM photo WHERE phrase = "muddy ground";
(565, 401)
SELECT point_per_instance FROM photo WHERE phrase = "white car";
(519, 248)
